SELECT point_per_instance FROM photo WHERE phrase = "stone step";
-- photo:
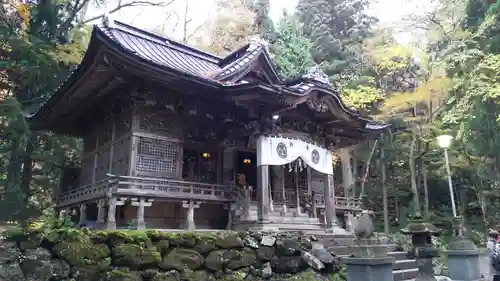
(288, 220)
(399, 255)
(404, 264)
(405, 274)
(277, 226)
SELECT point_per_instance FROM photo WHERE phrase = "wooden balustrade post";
(190, 205)
(112, 203)
(313, 204)
(140, 203)
(101, 215)
(83, 215)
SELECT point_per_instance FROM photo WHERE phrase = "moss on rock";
(229, 241)
(180, 258)
(123, 274)
(11, 272)
(199, 275)
(215, 260)
(135, 256)
(123, 255)
(237, 259)
(81, 253)
(167, 276)
(205, 246)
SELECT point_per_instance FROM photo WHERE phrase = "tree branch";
(125, 5)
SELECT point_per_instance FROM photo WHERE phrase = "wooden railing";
(86, 192)
(348, 203)
(151, 187)
(167, 188)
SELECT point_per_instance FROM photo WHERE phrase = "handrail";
(340, 202)
(170, 180)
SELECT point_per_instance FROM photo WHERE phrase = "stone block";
(369, 269)
(463, 265)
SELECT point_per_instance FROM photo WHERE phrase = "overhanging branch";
(128, 4)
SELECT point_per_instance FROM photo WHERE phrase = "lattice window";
(159, 157)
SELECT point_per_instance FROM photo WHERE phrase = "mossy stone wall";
(86, 255)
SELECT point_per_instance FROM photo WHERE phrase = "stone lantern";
(423, 249)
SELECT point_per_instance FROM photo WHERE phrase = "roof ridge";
(119, 25)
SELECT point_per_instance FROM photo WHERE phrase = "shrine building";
(177, 138)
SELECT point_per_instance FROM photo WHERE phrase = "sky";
(389, 12)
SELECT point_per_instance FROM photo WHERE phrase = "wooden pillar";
(140, 203)
(96, 158)
(112, 203)
(228, 166)
(297, 194)
(83, 214)
(262, 192)
(101, 215)
(230, 209)
(112, 144)
(313, 205)
(133, 155)
(279, 184)
(348, 221)
(190, 205)
(330, 213)
(347, 176)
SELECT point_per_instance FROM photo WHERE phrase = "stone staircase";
(404, 269)
(279, 221)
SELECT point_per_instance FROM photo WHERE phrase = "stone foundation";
(85, 255)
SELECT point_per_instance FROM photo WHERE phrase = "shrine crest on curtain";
(276, 151)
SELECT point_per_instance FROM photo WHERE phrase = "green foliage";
(33, 62)
(291, 48)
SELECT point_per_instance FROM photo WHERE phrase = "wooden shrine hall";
(176, 138)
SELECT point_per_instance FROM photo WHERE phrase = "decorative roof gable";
(252, 57)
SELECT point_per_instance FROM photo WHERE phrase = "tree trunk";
(411, 163)
(384, 188)
(27, 173)
(367, 170)
(12, 200)
(347, 176)
(423, 168)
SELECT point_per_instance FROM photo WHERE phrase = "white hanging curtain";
(277, 151)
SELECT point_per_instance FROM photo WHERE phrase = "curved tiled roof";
(172, 55)
(160, 50)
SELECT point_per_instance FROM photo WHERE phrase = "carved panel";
(121, 156)
(159, 122)
(122, 124)
(157, 157)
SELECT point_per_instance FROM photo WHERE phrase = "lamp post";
(444, 141)
(463, 257)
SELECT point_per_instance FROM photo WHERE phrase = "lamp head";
(444, 141)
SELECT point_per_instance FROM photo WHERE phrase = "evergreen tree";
(337, 29)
